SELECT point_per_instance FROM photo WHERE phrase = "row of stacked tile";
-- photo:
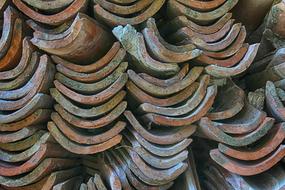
(119, 94)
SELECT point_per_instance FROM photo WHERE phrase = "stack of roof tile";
(175, 73)
(88, 86)
(249, 142)
(166, 102)
(212, 30)
(28, 152)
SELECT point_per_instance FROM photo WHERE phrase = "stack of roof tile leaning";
(164, 94)
(28, 153)
(166, 101)
(123, 12)
(210, 27)
(88, 85)
(249, 142)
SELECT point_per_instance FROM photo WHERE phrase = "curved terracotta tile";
(142, 97)
(91, 124)
(13, 54)
(247, 120)
(51, 180)
(95, 87)
(123, 2)
(220, 45)
(37, 117)
(45, 151)
(78, 148)
(23, 144)
(53, 19)
(176, 48)
(22, 84)
(167, 175)
(87, 112)
(44, 75)
(166, 82)
(118, 9)
(228, 62)
(6, 87)
(47, 166)
(42, 32)
(84, 138)
(48, 6)
(190, 118)
(153, 160)
(182, 21)
(113, 19)
(206, 129)
(10, 15)
(27, 49)
(95, 99)
(163, 151)
(162, 53)
(232, 49)
(134, 44)
(154, 90)
(44, 137)
(241, 67)
(265, 146)
(202, 5)
(187, 32)
(248, 168)
(59, 176)
(81, 38)
(19, 135)
(73, 182)
(183, 109)
(39, 101)
(156, 136)
(3, 5)
(94, 76)
(57, 33)
(259, 79)
(251, 13)
(102, 62)
(175, 8)
(98, 181)
(134, 179)
(150, 175)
